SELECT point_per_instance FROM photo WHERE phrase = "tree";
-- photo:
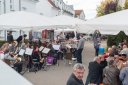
(116, 39)
(107, 7)
(126, 4)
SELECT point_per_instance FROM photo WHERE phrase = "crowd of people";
(110, 68)
(10, 51)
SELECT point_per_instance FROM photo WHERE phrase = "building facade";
(48, 8)
(54, 8)
(80, 14)
(7, 6)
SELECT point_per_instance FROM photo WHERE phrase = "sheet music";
(56, 47)
(68, 46)
(41, 48)
(45, 50)
(28, 51)
(21, 52)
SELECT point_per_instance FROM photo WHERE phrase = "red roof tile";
(78, 12)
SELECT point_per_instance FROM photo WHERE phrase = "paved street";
(58, 75)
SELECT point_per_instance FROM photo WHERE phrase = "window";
(0, 7)
(11, 5)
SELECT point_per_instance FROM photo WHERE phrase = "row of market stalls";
(25, 21)
(22, 21)
(30, 21)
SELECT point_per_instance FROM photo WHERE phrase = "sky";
(89, 6)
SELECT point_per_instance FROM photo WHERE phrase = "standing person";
(96, 46)
(30, 37)
(96, 40)
(77, 75)
(124, 76)
(96, 35)
(9, 37)
(94, 73)
(80, 49)
(111, 74)
(21, 38)
(61, 37)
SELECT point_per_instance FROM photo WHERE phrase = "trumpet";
(16, 57)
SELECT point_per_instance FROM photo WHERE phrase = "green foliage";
(110, 40)
(119, 8)
(100, 9)
(107, 7)
(126, 4)
(120, 37)
(116, 39)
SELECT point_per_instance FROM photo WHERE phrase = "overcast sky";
(89, 6)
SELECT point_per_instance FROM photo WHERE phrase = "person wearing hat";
(124, 50)
(122, 59)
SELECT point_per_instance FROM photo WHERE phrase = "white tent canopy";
(111, 23)
(67, 20)
(9, 76)
(22, 19)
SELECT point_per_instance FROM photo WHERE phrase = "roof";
(78, 12)
(50, 1)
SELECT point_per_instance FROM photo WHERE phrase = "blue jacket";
(124, 76)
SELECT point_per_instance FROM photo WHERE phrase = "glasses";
(123, 55)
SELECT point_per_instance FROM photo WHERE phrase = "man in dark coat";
(21, 38)
(9, 37)
(94, 72)
(77, 75)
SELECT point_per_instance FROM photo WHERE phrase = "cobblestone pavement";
(58, 75)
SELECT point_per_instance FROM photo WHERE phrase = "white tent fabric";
(104, 29)
(67, 20)
(10, 77)
(112, 23)
(22, 19)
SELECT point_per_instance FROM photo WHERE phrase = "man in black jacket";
(77, 75)
(94, 72)
(10, 37)
(21, 38)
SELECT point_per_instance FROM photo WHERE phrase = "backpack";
(50, 60)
